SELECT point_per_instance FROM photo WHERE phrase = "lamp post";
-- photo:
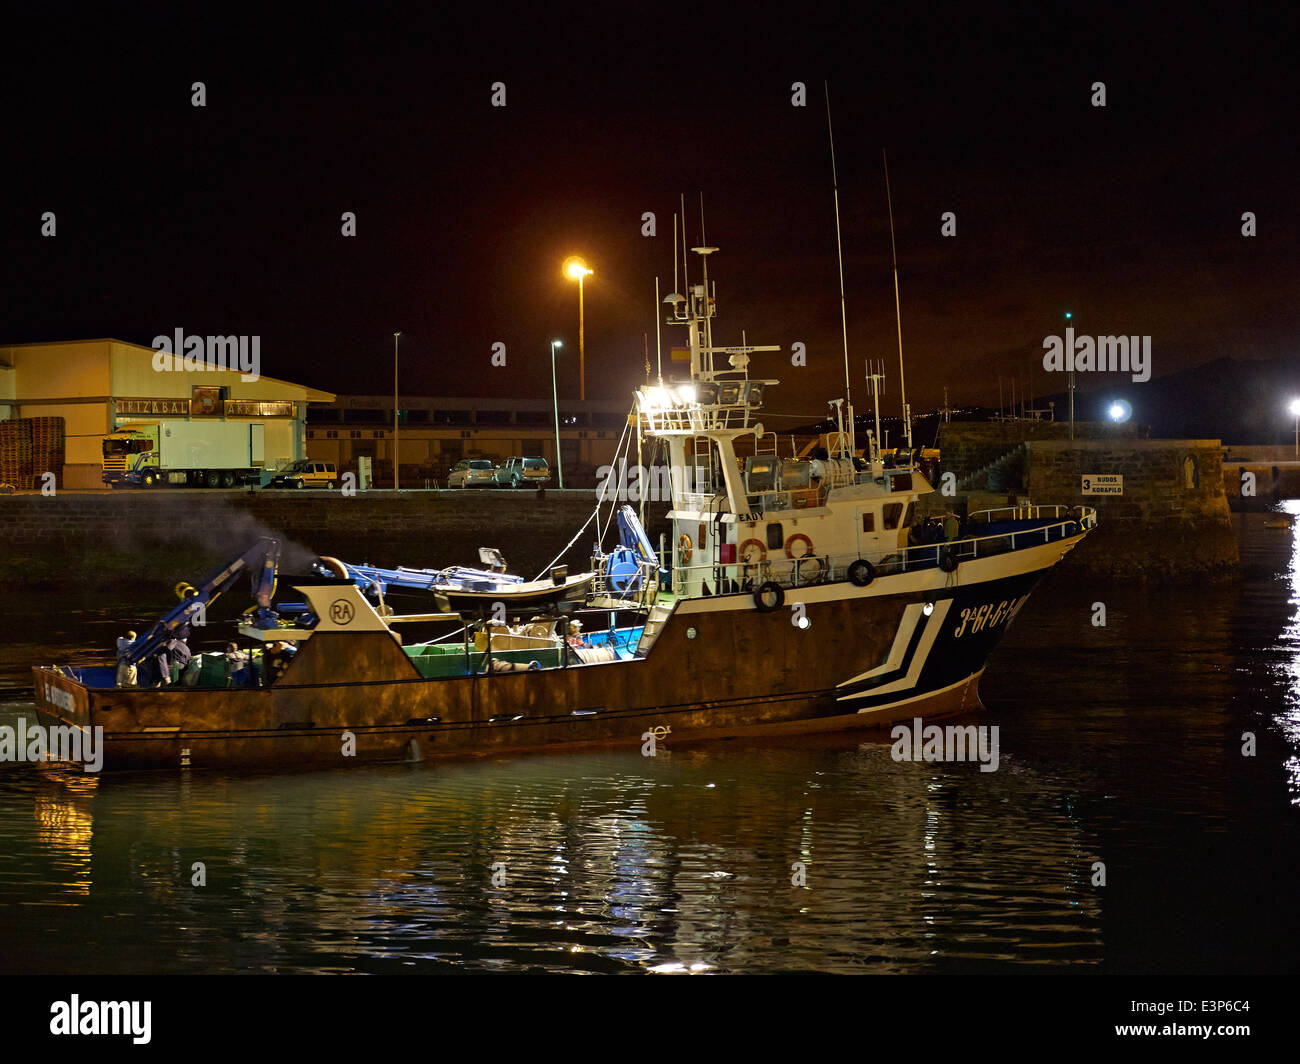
(559, 462)
(576, 270)
(1069, 318)
(395, 337)
(1295, 409)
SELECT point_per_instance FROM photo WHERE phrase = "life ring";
(762, 551)
(947, 559)
(807, 542)
(686, 547)
(771, 587)
(861, 573)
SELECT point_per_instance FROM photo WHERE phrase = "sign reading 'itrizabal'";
(1103, 484)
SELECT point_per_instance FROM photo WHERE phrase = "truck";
(213, 454)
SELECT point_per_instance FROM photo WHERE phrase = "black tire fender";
(948, 559)
(770, 587)
(861, 573)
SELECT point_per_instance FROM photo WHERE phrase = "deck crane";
(260, 562)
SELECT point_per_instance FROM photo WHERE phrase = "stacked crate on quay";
(48, 449)
(16, 453)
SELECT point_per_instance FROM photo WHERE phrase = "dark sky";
(226, 219)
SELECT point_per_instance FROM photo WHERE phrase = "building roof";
(310, 395)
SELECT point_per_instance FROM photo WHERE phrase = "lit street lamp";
(559, 465)
(395, 336)
(1295, 409)
(576, 270)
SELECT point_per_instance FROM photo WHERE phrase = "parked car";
(470, 473)
(517, 472)
(306, 473)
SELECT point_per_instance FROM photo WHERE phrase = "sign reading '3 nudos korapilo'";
(1103, 484)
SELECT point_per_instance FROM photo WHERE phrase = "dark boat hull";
(719, 668)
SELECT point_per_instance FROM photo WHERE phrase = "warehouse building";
(99, 386)
(434, 433)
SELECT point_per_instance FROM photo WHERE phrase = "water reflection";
(611, 862)
(1289, 646)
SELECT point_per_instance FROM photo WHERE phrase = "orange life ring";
(685, 546)
(762, 551)
(807, 542)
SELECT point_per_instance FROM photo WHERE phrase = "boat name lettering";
(57, 697)
(986, 616)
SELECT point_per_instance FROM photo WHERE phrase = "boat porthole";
(691, 633)
(928, 608)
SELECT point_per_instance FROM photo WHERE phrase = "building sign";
(180, 407)
(258, 408)
(1103, 484)
(200, 407)
(205, 401)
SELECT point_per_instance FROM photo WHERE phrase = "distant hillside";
(1234, 400)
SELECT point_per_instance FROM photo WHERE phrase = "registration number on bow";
(989, 615)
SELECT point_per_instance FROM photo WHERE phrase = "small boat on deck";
(471, 593)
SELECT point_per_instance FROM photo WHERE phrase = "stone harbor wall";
(152, 539)
(965, 447)
(1171, 520)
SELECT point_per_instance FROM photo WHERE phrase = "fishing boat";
(794, 598)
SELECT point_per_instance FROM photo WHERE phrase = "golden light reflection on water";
(65, 822)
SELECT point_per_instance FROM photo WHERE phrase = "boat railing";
(639, 591)
(697, 419)
(1059, 522)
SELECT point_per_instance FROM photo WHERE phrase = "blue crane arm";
(260, 561)
(631, 534)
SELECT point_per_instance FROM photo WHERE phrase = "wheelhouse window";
(775, 536)
(893, 511)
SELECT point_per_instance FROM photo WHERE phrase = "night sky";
(226, 219)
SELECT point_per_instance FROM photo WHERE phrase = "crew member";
(126, 672)
(274, 663)
(237, 666)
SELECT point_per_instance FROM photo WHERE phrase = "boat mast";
(902, 385)
(844, 322)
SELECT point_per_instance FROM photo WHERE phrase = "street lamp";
(559, 465)
(576, 270)
(1069, 320)
(395, 336)
(1295, 409)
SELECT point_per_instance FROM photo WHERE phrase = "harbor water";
(1144, 817)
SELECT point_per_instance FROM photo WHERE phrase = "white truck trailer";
(213, 454)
